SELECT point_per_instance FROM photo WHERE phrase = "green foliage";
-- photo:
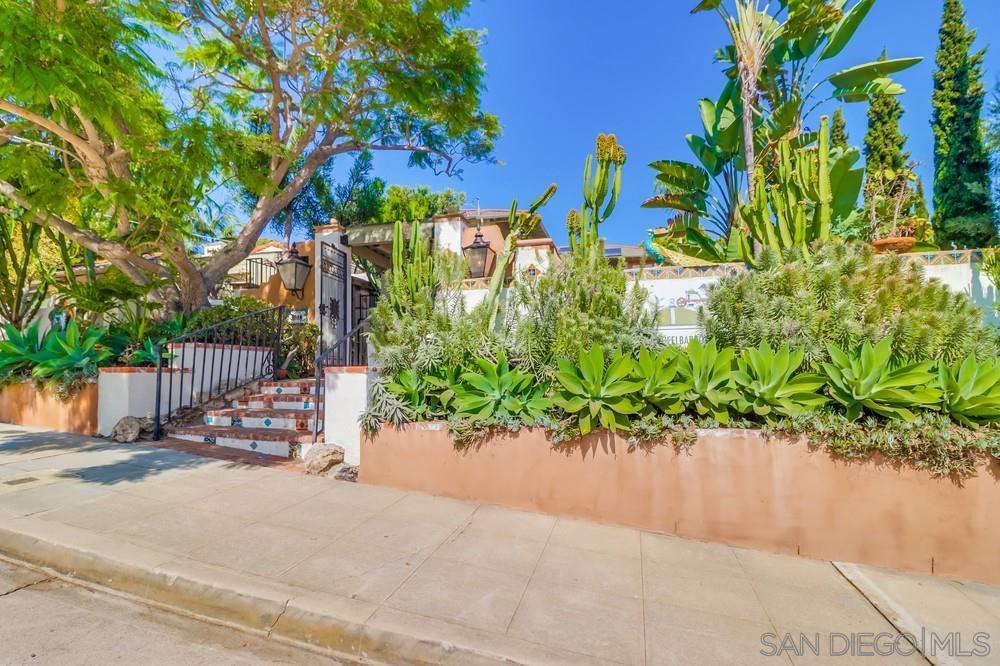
(769, 86)
(243, 332)
(871, 379)
(303, 340)
(598, 183)
(417, 204)
(414, 273)
(578, 303)
(24, 279)
(838, 130)
(963, 211)
(845, 294)
(497, 391)
(931, 441)
(772, 385)
(656, 373)
(810, 190)
(971, 390)
(17, 348)
(146, 354)
(597, 395)
(707, 381)
(71, 355)
(520, 224)
(411, 389)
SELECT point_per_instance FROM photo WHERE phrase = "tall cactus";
(809, 188)
(414, 268)
(519, 224)
(584, 225)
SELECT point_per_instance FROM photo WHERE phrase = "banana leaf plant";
(597, 395)
(713, 197)
(870, 379)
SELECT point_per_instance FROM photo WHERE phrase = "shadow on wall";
(984, 294)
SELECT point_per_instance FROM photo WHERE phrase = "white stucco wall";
(125, 392)
(345, 400)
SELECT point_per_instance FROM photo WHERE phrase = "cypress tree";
(963, 211)
(838, 130)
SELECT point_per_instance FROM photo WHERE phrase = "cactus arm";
(825, 199)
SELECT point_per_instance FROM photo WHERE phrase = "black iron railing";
(259, 271)
(349, 350)
(206, 364)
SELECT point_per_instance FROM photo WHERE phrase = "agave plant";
(870, 379)
(146, 354)
(17, 349)
(411, 388)
(705, 380)
(770, 385)
(69, 355)
(971, 390)
(441, 383)
(598, 395)
(656, 373)
(497, 390)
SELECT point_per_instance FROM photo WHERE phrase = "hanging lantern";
(294, 271)
(479, 255)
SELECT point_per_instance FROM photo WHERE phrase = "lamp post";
(294, 270)
(478, 255)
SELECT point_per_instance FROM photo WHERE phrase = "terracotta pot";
(896, 244)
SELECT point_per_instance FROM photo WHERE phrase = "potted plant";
(895, 211)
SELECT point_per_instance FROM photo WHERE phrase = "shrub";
(971, 390)
(846, 295)
(247, 331)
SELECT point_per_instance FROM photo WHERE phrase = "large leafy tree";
(408, 204)
(963, 210)
(769, 98)
(123, 159)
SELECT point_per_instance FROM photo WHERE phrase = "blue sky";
(561, 71)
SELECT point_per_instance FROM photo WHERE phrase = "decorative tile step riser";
(301, 425)
(281, 449)
(293, 390)
(288, 403)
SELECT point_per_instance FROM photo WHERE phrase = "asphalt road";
(46, 621)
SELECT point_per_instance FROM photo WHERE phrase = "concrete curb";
(336, 625)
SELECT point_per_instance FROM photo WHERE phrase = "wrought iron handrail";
(239, 351)
(349, 349)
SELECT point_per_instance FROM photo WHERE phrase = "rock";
(347, 473)
(322, 457)
(146, 425)
(127, 430)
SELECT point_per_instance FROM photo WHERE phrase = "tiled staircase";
(278, 420)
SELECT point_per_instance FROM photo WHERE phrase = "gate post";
(332, 272)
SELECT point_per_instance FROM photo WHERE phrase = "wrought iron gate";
(333, 285)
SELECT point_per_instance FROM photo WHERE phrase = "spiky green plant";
(706, 382)
(414, 270)
(845, 294)
(656, 373)
(70, 355)
(870, 379)
(971, 390)
(498, 391)
(598, 184)
(597, 395)
(17, 349)
(772, 385)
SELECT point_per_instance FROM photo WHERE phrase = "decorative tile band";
(944, 258)
(139, 370)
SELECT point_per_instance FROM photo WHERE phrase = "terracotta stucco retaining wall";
(732, 487)
(24, 404)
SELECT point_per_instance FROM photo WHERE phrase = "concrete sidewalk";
(384, 575)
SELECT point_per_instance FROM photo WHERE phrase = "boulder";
(323, 457)
(127, 430)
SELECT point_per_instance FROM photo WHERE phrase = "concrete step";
(269, 441)
(289, 387)
(302, 402)
(281, 419)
